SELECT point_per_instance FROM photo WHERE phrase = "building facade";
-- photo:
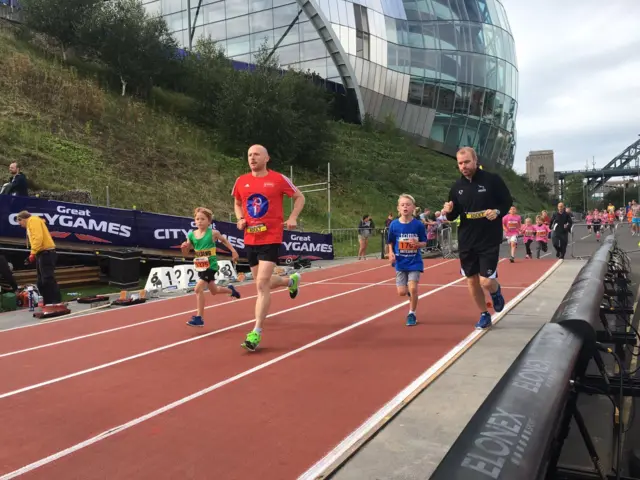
(444, 71)
(540, 167)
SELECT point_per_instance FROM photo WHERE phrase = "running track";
(135, 393)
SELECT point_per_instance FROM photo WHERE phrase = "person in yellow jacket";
(43, 253)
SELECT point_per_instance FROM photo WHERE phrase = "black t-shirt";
(18, 185)
(471, 198)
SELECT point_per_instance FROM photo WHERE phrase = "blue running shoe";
(234, 292)
(411, 320)
(484, 322)
(498, 300)
(196, 321)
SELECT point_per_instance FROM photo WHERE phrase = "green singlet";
(205, 251)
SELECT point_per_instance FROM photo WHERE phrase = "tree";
(137, 47)
(574, 192)
(206, 70)
(62, 19)
(542, 189)
(283, 111)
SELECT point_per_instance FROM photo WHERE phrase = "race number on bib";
(475, 215)
(406, 246)
(201, 263)
(257, 228)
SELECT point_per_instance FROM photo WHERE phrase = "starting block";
(53, 310)
(92, 300)
(133, 299)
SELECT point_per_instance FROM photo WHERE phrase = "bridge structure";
(626, 164)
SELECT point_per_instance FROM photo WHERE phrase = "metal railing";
(520, 429)
(444, 243)
(346, 242)
(11, 13)
(583, 237)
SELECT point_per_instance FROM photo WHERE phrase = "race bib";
(475, 215)
(512, 225)
(404, 246)
(201, 263)
(542, 234)
(257, 228)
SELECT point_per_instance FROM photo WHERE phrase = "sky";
(579, 78)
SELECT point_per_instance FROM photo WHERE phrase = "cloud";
(579, 78)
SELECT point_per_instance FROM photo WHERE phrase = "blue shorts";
(636, 220)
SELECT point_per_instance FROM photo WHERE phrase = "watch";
(497, 212)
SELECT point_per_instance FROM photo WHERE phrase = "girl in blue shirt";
(407, 235)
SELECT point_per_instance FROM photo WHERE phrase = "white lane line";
(336, 456)
(420, 285)
(89, 311)
(183, 342)
(182, 401)
(102, 332)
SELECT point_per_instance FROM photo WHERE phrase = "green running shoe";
(295, 284)
(252, 341)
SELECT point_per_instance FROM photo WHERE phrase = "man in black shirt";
(17, 183)
(561, 222)
(480, 199)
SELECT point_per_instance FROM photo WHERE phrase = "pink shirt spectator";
(512, 224)
(528, 233)
(432, 232)
(542, 233)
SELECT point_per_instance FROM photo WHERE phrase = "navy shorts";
(483, 262)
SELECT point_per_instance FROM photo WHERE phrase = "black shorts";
(482, 261)
(266, 253)
(207, 275)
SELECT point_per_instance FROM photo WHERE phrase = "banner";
(70, 222)
(77, 223)
(165, 232)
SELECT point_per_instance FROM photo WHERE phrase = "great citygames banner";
(77, 223)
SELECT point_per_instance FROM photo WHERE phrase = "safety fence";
(348, 242)
(520, 429)
(583, 237)
(10, 11)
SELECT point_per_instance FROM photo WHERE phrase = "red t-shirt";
(261, 199)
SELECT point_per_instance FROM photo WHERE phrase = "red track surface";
(272, 423)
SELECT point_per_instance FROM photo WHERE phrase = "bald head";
(258, 158)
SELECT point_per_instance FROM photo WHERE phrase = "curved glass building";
(444, 71)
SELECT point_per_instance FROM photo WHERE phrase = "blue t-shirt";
(408, 258)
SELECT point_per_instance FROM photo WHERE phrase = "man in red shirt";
(258, 208)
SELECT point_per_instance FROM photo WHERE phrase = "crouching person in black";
(6, 274)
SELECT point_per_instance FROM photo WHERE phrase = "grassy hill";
(69, 133)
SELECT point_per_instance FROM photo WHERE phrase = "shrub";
(283, 111)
